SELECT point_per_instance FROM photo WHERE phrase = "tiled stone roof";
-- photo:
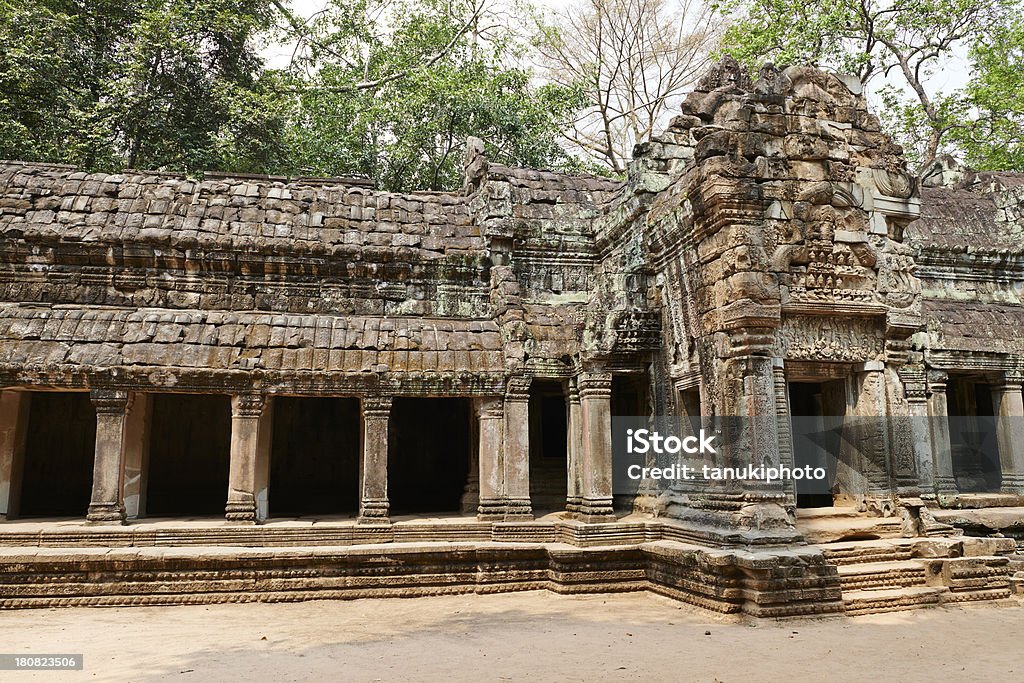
(959, 218)
(201, 339)
(39, 202)
(975, 326)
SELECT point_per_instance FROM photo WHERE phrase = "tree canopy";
(389, 89)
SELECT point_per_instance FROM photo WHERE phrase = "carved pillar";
(373, 467)
(1010, 434)
(136, 456)
(107, 503)
(471, 491)
(872, 438)
(750, 410)
(14, 407)
(574, 449)
(248, 479)
(517, 449)
(491, 421)
(785, 426)
(595, 391)
(915, 385)
(942, 450)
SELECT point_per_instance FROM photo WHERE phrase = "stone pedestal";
(1010, 425)
(14, 407)
(251, 433)
(574, 450)
(107, 503)
(596, 411)
(373, 467)
(942, 450)
(517, 450)
(490, 413)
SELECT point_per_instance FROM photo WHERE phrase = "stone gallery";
(259, 388)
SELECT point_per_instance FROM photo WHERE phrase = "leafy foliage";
(149, 83)
(385, 88)
(398, 104)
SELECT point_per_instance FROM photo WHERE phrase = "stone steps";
(901, 574)
(873, 601)
(874, 575)
(863, 552)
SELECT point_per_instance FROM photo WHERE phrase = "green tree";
(992, 105)
(145, 83)
(905, 41)
(392, 89)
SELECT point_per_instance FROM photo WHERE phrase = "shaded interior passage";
(817, 409)
(972, 435)
(56, 476)
(189, 455)
(428, 454)
(314, 459)
(548, 446)
(629, 399)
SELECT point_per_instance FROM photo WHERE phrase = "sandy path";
(514, 637)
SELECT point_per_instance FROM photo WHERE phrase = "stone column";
(471, 491)
(871, 435)
(942, 450)
(14, 407)
(136, 456)
(1010, 434)
(574, 449)
(251, 425)
(490, 414)
(373, 467)
(596, 413)
(107, 504)
(516, 435)
(915, 386)
(783, 415)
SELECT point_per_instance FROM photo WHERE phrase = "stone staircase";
(889, 575)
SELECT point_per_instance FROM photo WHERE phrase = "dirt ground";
(536, 636)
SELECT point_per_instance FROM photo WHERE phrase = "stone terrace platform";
(200, 561)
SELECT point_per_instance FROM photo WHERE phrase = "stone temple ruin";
(194, 370)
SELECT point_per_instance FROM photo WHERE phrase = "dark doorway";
(428, 454)
(629, 399)
(972, 435)
(189, 455)
(548, 446)
(56, 478)
(817, 410)
(314, 460)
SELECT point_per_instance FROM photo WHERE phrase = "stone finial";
(728, 74)
(474, 165)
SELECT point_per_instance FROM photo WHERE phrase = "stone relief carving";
(845, 340)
